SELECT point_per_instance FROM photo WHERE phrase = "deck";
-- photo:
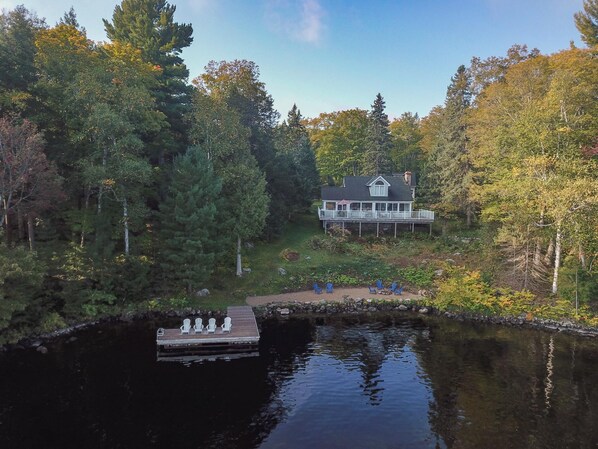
(415, 216)
(244, 336)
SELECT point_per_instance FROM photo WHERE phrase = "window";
(379, 189)
(355, 206)
(392, 207)
(381, 207)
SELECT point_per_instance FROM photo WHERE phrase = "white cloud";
(201, 5)
(300, 20)
(310, 29)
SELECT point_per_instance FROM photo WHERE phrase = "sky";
(332, 55)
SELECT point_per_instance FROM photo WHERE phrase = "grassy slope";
(408, 250)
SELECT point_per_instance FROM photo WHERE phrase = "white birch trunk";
(239, 267)
(557, 259)
(31, 232)
(126, 224)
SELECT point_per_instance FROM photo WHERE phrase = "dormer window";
(379, 187)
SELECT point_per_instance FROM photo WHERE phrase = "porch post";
(430, 229)
(360, 229)
(412, 227)
(377, 229)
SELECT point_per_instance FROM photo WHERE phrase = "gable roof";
(375, 179)
(355, 188)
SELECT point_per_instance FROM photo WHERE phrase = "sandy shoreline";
(336, 296)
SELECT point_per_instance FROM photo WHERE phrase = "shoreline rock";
(347, 306)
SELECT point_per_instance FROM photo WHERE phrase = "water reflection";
(353, 381)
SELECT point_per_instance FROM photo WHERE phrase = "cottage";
(380, 199)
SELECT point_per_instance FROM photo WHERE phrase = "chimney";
(408, 178)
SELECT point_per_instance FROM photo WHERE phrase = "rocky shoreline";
(347, 306)
(360, 305)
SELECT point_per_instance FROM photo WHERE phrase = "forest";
(120, 180)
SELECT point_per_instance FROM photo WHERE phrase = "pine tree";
(297, 156)
(587, 22)
(148, 25)
(377, 157)
(452, 164)
(18, 30)
(189, 218)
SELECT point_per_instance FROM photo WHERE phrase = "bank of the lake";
(344, 301)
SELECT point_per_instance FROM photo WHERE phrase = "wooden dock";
(244, 337)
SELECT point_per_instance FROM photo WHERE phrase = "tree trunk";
(8, 230)
(469, 215)
(20, 224)
(582, 257)
(537, 255)
(239, 267)
(126, 224)
(526, 263)
(84, 221)
(31, 232)
(557, 260)
(549, 253)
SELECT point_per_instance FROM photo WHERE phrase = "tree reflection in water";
(379, 380)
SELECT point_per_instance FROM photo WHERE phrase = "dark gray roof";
(355, 189)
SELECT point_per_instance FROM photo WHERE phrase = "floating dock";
(243, 339)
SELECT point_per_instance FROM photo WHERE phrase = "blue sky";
(330, 55)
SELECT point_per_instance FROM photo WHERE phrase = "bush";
(465, 291)
(417, 277)
(52, 322)
(336, 241)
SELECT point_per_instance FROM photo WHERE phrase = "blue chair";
(373, 290)
(393, 287)
(399, 291)
(329, 287)
(379, 285)
(317, 288)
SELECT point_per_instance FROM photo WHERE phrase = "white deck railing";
(374, 215)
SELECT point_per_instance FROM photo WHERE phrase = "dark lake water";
(380, 381)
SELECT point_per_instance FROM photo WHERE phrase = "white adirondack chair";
(228, 323)
(198, 325)
(186, 326)
(211, 325)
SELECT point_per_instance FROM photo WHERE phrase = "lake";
(358, 381)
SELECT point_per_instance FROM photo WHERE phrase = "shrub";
(418, 277)
(51, 322)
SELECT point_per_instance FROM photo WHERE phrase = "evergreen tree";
(189, 218)
(293, 144)
(587, 22)
(237, 85)
(377, 157)
(148, 25)
(218, 130)
(451, 160)
(18, 31)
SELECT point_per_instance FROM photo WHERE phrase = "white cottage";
(381, 199)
